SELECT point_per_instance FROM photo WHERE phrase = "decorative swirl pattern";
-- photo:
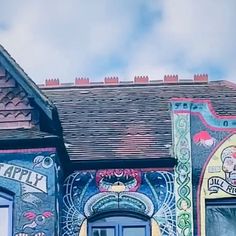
(183, 174)
(155, 198)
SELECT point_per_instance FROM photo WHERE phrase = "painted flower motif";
(204, 138)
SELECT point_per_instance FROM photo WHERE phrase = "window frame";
(144, 222)
(6, 201)
(218, 203)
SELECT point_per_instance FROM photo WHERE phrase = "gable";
(15, 108)
(10, 65)
(22, 104)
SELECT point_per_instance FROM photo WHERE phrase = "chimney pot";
(141, 79)
(111, 80)
(201, 78)
(171, 79)
(52, 82)
(82, 81)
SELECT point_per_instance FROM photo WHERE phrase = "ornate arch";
(217, 178)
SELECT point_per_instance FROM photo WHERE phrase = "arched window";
(5, 214)
(119, 225)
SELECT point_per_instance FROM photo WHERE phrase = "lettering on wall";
(30, 175)
(224, 160)
(24, 175)
(216, 183)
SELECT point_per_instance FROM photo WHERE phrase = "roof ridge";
(138, 80)
(228, 84)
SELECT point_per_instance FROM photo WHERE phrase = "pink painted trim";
(201, 179)
(51, 149)
(182, 112)
(209, 103)
(157, 169)
(181, 99)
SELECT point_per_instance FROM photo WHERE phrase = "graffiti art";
(147, 192)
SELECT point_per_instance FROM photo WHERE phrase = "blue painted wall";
(30, 176)
(149, 192)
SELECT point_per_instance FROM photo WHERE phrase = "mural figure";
(228, 157)
(118, 180)
(44, 161)
(37, 234)
(35, 219)
(148, 192)
(204, 138)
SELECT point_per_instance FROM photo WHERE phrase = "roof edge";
(114, 81)
(26, 82)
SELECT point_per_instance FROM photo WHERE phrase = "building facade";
(143, 158)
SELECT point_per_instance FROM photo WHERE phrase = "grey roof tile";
(127, 122)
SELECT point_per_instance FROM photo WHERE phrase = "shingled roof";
(128, 120)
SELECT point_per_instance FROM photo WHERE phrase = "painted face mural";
(228, 157)
(117, 180)
(147, 192)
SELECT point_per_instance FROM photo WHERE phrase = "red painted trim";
(156, 169)
(182, 112)
(201, 180)
(51, 149)
(181, 99)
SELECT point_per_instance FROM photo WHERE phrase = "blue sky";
(98, 38)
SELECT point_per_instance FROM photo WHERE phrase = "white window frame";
(6, 201)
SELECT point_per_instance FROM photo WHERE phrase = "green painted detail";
(183, 173)
(185, 224)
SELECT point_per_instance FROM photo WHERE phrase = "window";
(5, 214)
(221, 217)
(119, 226)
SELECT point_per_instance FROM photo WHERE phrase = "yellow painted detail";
(214, 169)
(117, 187)
(83, 229)
(155, 229)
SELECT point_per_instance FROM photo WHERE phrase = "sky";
(124, 38)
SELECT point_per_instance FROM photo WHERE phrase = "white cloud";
(61, 39)
(191, 34)
(73, 38)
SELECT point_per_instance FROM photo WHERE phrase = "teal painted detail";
(146, 192)
(30, 178)
(205, 111)
(183, 174)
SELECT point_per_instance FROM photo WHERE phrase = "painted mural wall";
(30, 176)
(149, 192)
(208, 144)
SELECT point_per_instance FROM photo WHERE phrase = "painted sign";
(220, 177)
(24, 175)
(30, 175)
(216, 183)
